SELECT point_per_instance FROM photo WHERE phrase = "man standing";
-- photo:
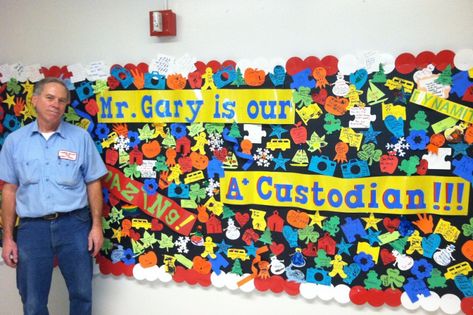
(52, 173)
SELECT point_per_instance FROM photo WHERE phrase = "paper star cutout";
(10, 100)
(316, 219)
(372, 237)
(28, 88)
(370, 135)
(343, 248)
(251, 250)
(223, 247)
(280, 162)
(117, 233)
(459, 148)
(277, 131)
(371, 221)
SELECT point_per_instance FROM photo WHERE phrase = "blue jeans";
(39, 241)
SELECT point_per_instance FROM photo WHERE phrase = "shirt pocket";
(67, 173)
(29, 172)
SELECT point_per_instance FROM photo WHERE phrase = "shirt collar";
(60, 130)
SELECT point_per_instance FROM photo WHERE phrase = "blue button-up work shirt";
(52, 174)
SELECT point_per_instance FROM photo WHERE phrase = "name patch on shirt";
(67, 155)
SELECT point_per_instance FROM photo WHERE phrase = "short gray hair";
(39, 86)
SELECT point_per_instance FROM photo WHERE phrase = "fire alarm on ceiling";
(162, 23)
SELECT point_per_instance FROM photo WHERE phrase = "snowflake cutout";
(212, 187)
(399, 148)
(181, 244)
(122, 143)
(215, 141)
(263, 157)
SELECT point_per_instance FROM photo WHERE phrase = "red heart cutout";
(391, 225)
(229, 63)
(214, 64)
(276, 248)
(467, 305)
(295, 65)
(242, 218)
(312, 62)
(156, 225)
(221, 154)
(387, 257)
(330, 63)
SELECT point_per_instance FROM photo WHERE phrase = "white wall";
(53, 32)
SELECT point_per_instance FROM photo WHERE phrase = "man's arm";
(94, 193)
(10, 250)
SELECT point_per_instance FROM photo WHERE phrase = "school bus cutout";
(237, 253)
(282, 144)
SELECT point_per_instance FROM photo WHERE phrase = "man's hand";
(10, 253)
(95, 240)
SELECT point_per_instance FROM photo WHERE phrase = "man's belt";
(55, 215)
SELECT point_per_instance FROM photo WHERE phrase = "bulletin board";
(345, 178)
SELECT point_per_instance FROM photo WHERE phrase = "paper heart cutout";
(359, 78)
(295, 64)
(387, 257)
(214, 64)
(391, 225)
(395, 125)
(242, 218)
(276, 248)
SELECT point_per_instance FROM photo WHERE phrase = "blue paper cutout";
(178, 130)
(430, 244)
(464, 168)
(85, 91)
(322, 165)
(215, 166)
(122, 75)
(421, 269)
(417, 139)
(352, 271)
(280, 162)
(11, 123)
(224, 77)
(303, 78)
(155, 81)
(178, 190)
(278, 76)
(364, 260)
(395, 125)
(355, 169)
(415, 287)
(318, 276)
(351, 228)
(290, 235)
(464, 284)
(218, 263)
(460, 83)
(359, 78)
